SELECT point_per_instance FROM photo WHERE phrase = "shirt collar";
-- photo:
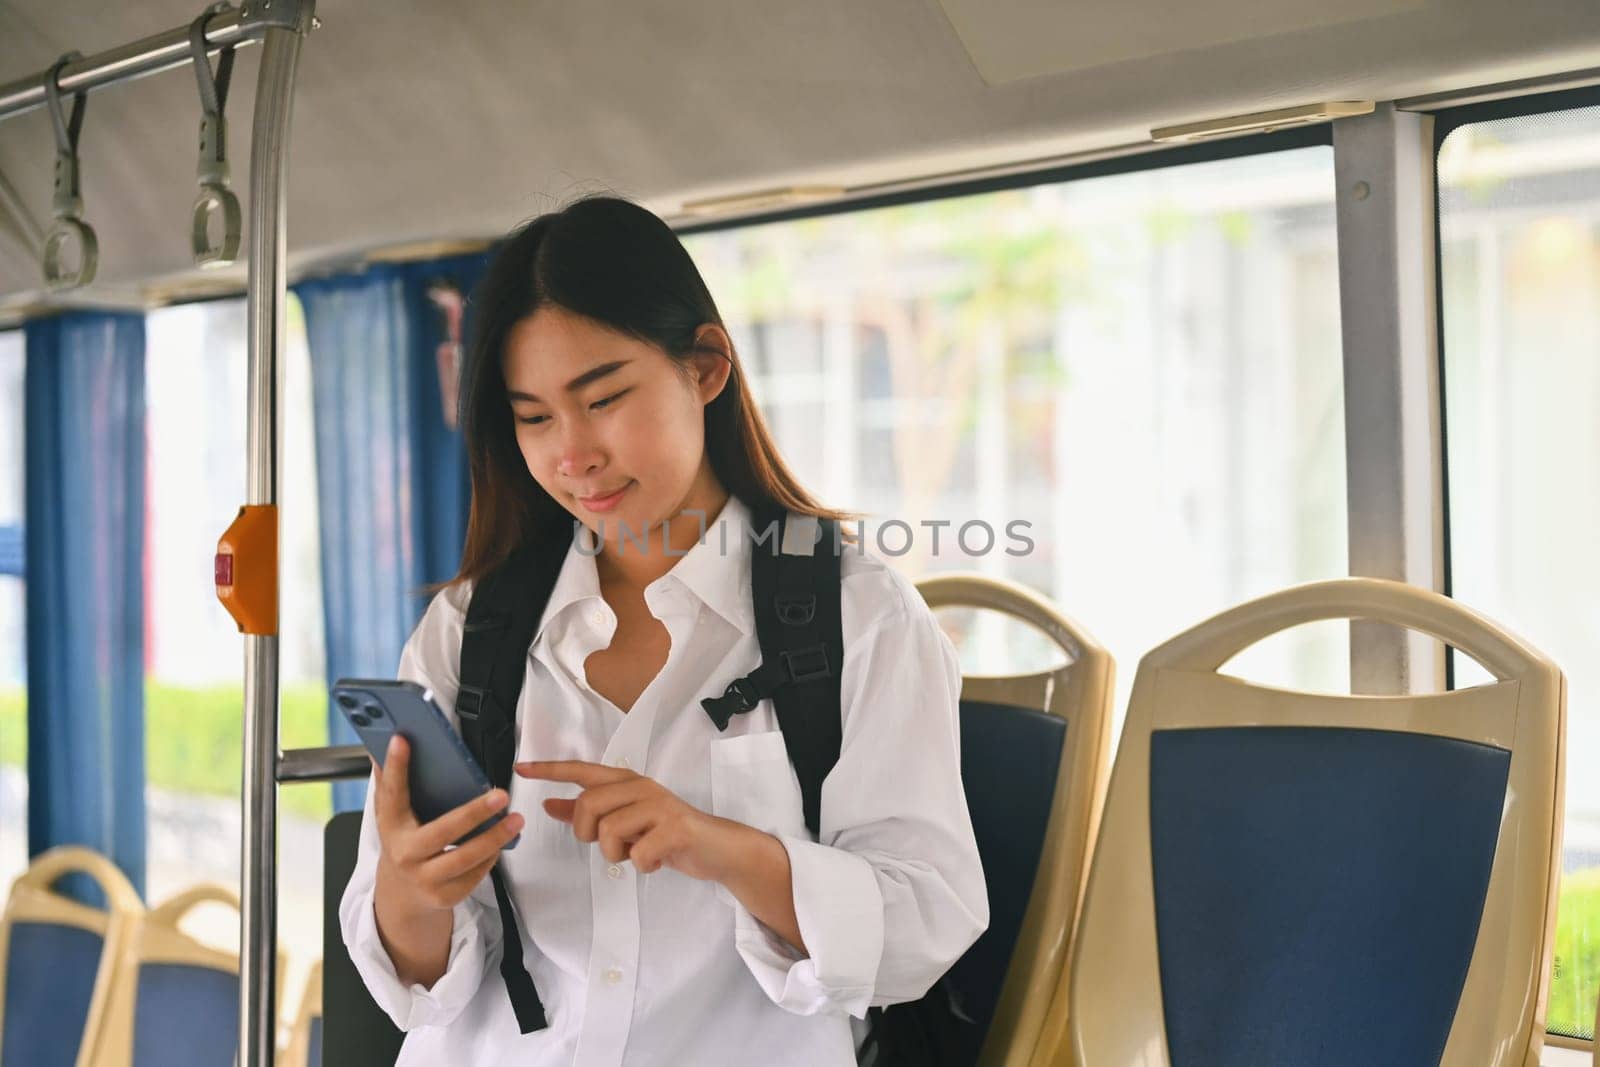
(716, 569)
(577, 582)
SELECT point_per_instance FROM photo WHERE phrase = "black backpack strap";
(795, 585)
(502, 618)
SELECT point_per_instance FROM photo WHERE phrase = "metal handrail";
(163, 51)
(269, 165)
(323, 764)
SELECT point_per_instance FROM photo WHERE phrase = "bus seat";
(305, 1041)
(1033, 764)
(58, 959)
(175, 1000)
(1287, 877)
(355, 1031)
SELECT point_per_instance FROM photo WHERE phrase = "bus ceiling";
(737, 109)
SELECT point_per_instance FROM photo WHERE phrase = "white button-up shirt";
(663, 970)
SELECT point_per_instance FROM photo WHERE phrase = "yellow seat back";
(1077, 697)
(66, 936)
(1179, 942)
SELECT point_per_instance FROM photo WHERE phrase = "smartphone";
(443, 773)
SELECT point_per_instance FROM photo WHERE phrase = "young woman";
(673, 907)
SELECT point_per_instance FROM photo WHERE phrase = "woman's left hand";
(637, 818)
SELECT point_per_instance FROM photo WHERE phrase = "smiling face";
(597, 411)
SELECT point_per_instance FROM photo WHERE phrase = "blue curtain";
(84, 445)
(11, 551)
(392, 483)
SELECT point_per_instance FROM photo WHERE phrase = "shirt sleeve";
(892, 892)
(431, 658)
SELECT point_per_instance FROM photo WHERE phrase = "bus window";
(1519, 227)
(1102, 387)
(195, 381)
(13, 636)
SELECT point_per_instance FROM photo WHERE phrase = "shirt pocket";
(753, 782)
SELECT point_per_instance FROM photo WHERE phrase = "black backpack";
(796, 594)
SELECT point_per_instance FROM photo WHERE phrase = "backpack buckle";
(807, 664)
(796, 611)
(469, 702)
(740, 697)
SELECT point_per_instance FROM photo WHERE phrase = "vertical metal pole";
(1383, 167)
(268, 247)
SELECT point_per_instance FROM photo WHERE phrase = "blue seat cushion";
(50, 973)
(1317, 890)
(1010, 757)
(185, 1016)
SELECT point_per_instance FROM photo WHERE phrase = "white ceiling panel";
(420, 120)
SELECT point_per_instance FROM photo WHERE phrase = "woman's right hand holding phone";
(419, 879)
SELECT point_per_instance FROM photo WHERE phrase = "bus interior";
(1218, 371)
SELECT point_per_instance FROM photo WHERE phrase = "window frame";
(1158, 158)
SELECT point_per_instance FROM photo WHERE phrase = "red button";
(224, 568)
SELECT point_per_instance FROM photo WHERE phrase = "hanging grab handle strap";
(213, 92)
(215, 196)
(67, 203)
(67, 130)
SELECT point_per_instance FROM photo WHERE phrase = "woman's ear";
(711, 361)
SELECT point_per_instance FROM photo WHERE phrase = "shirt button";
(613, 976)
(614, 871)
(599, 617)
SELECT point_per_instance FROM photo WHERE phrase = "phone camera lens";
(360, 720)
(347, 702)
(374, 712)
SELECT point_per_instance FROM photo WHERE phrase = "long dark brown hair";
(616, 264)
